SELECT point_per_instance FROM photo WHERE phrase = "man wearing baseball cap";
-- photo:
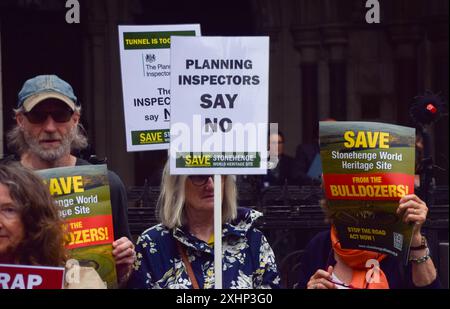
(47, 132)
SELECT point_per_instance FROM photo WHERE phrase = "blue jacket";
(248, 260)
(319, 255)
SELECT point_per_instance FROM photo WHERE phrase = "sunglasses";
(200, 180)
(60, 115)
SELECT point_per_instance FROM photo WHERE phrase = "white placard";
(219, 105)
(145, 65)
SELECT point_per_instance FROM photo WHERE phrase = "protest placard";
(83, 196)
(219, 115)
(145, 65)
(367, 168)
(31, 277)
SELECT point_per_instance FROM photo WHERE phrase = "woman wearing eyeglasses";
(178, 253)
(31, 231)
(30, 228)
(326, 265)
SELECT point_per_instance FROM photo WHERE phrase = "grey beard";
(50, 155)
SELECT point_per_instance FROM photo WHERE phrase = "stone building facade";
(326, 61)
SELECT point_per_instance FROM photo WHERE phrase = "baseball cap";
(43, 87)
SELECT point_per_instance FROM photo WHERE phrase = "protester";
(29, 220)
(47, 130)
(186, 211)
(326, 265)
(285, 170)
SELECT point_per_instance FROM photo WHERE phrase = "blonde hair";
(171, 199)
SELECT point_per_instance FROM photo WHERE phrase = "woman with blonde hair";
(179, 252)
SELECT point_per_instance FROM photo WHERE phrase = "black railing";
(292, 216)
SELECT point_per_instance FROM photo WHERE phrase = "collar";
(239, 227)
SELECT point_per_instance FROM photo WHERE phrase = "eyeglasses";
(60, 115)
(200, 180)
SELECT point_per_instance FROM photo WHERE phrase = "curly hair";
(44, 239)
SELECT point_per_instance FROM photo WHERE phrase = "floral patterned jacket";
(248, 260)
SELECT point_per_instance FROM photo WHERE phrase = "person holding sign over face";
(375, 240)
(47, 131)
(178, 253)
(326, 265)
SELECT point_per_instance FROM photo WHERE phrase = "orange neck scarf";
(356, 259)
